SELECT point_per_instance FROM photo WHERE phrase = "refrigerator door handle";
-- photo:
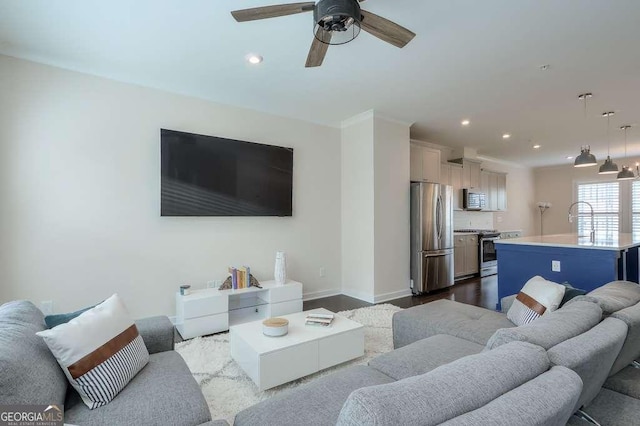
(437, 254)
(439, 214)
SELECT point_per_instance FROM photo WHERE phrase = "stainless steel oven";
(488, 254)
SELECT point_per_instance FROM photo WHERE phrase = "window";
(605, 200)
(635, 207)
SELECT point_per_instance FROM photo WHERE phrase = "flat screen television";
(212, 176)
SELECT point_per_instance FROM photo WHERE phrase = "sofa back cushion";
(615, 296)
(631, 349)
(547, 400)
(591, 355)
(29, 373)
(447, 391)
(553, 328)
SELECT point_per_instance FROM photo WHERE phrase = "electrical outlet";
(555, 266)
(323, 272)
(46, 306)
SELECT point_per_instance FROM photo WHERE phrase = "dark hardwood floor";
(474, 291)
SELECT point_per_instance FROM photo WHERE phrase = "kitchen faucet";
(592, 236)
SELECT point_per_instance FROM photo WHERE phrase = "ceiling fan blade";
(272, 11)
(385, 29)
(318, 49)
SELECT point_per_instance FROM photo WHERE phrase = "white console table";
(211, 310)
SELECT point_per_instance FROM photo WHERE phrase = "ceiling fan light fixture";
(586, 158)
(337, 21)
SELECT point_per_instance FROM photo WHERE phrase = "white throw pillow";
(538, 297)
(100, 351)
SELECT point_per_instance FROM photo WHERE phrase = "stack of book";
(321, 320)
(240, 277)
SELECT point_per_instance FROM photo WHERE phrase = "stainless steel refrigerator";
(431, 236)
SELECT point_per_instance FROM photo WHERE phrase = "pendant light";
(586, 158)
(609, 167)
(626, 173)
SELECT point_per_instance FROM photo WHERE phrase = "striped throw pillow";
(537, 297)
(100, 351)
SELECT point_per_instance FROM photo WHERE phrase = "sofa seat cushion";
(591, 355)
(631, 349)
(164, 392)
(615, 296)
(423, 356)
(547, 400)
(613, 408)
(29, 373)
(553, 328)
(313, 404)
(448, 391)
(446, 317)
(626, 382)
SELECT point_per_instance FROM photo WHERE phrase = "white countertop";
(618, 242)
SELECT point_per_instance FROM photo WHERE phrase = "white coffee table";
(273, 361)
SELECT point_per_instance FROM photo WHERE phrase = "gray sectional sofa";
(457, 364)
(164, 392)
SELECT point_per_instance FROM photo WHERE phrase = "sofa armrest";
(157, 333)
(506, 302)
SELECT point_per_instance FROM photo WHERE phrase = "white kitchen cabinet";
(494, 185)
(470, 172)
(484, 184)
(425, 164)
(445, 174)
(493, 192)
(501, 184)
(455, 179)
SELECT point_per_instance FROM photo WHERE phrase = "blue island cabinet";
(582, 267)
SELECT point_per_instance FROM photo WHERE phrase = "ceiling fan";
(335, 22)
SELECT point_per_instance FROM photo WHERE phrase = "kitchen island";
(567, 258)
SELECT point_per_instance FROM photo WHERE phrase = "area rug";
(228, 390)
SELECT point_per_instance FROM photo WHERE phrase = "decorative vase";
(280, 272)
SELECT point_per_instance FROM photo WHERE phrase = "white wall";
(375, 208)
(557, 184)
(357, 208)
(392, 199)
(79, 195)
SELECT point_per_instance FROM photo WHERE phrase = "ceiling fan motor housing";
(340, 17)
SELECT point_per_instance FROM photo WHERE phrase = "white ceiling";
(471, 59)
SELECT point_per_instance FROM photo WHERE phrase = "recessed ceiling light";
(506, 136)
(569, 158)
(545, 67)
(465, 122)
(253, 59)
(536, 146)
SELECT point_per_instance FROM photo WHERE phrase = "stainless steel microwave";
(473, 200)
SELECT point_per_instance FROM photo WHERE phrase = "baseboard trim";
(320, 294)
(356, 294)
(385, 297)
